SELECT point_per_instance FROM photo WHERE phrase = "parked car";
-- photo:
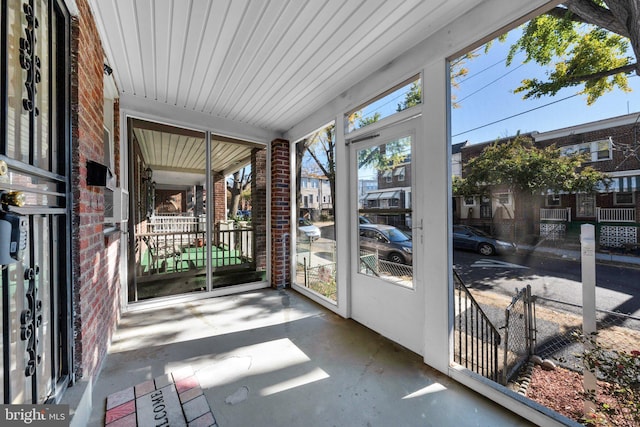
(364, 220)
(470, 238)
(391, 243)
(305, 227)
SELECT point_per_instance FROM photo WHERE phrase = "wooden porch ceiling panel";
(267, 64)
(182, 152)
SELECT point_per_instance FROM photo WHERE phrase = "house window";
(603, 149)
(399, 173)
(623, 198)
(585, 205)
(469, 201)
(503, 198)
(595, 150)
(388, 176)
(553, 200)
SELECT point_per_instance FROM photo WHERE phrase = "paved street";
(552, 278)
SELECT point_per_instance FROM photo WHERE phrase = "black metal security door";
(34, 201)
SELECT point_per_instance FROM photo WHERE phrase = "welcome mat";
(174, 399)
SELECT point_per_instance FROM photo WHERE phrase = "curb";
(575, 255)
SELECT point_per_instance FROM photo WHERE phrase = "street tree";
(320, 146)
(238, 184)
(526, 171)
(594, 44)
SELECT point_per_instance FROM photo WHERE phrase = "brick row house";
(121, 121)
(612, 147)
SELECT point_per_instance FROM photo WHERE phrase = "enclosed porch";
(272, 357)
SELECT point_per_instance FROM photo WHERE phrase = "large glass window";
(385, 211)
(316, 229)
(178, 247)
(405, 95)
(518, 264)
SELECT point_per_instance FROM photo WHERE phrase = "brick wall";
(219, 197)
(625, 140)
(259, 205)
(280, 213)
(95, 258)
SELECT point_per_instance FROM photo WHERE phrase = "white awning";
(399, 171)
(390, 195)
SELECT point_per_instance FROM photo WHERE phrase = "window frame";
(553, 200)
(498, 197)
(618, 203)
(465, 201)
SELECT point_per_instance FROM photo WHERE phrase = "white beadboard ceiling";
(261, 63)
(178, 156)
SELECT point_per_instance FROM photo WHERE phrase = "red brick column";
(280, 213)
(259, 206)
(219, 198)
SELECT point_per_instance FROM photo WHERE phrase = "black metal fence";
(519, 332)
(477, 341)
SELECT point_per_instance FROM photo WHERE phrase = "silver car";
(306, 228)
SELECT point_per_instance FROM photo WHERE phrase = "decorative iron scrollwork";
(29, 61)
(30, 320)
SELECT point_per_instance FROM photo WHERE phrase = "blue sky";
(486, 96)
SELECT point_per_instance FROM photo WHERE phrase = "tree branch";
(627, 69)
(590, 12)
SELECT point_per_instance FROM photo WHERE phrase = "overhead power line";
(490, 83)
(518, 114)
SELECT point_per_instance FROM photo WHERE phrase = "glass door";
(384, 293)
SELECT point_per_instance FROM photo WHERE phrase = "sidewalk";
(572, 252)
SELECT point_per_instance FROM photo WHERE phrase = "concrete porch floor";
(275, 358)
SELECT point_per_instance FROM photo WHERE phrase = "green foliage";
(411, 98)
(576, 54)
(521, 166)
(387, 156)
(362, 122)
(621, 370)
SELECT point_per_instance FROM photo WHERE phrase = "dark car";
(470, 238)
(390, 242)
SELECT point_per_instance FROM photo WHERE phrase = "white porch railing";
(173, 224)
(555, 214)
(616, 214)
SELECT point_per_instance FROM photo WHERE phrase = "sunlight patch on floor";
(432, 388)
(316, 374)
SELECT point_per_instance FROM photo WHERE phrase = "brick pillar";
(259, 206)
(280, 213)
(219, 196)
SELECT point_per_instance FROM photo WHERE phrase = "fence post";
(506, 348)
(527, 319)
(588, 252)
